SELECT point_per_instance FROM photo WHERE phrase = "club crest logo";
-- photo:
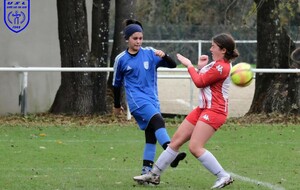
(146, 65)
(16, 14)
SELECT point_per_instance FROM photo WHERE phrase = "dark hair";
(226, 41)
(132, 21)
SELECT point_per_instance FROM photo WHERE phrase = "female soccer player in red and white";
(213, 80)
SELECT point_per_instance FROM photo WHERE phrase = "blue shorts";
(144, 114)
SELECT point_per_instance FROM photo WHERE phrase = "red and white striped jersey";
(213, 80)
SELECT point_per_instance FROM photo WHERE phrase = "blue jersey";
(138, 74)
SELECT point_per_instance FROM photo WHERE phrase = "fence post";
(199, 48)
(128, 112)
(23, 93)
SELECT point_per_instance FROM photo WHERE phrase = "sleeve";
(214, 74)
(167, 61)
(117, 97)
(117, 74)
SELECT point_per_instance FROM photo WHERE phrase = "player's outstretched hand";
(185, 61)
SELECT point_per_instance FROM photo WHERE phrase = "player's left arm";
(166, 61)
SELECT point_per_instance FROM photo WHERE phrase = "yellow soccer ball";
(241, 74)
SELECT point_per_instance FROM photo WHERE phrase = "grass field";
(64, 154)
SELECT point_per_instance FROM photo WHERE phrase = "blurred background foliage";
(202, 19)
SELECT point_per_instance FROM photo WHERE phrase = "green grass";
(70, 156)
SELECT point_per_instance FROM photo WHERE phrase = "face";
(135, 42)
(217, 52)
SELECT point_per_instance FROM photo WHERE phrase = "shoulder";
(120, 56)
(223, 66)
(150, 49)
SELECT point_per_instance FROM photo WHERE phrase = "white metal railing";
(24, 70)
(24, 77)
(199, 42)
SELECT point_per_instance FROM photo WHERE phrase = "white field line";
(235, 176)
(261, 183)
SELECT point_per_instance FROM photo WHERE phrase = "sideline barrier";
(24, 77)
(24, 70)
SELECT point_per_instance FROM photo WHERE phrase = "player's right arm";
(118, 109)
(201, 80)
(218, 71)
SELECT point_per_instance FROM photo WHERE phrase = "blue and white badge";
(146, 65)
(16, 14)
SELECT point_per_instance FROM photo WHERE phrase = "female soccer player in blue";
(136, 69)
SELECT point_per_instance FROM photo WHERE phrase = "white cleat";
(222, 182)
(145, 183)
(147, 178)
(145, 170)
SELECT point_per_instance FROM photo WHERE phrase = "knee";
(196, 150)
(157, 122)
(192, 150)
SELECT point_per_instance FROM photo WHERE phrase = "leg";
(185, 130)
(149, 150)
(201, 134)
(157, 128)
(143, 116)
(182, 135)
(158, 124)
(167, 156)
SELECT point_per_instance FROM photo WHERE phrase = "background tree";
(99, 53)
(82, 92)
(275, 92)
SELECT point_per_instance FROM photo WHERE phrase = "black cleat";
(178, 158)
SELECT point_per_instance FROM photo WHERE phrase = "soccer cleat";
(145, 170)
(147, 178)
(178, 158)
(222, 182)
(144, 183)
